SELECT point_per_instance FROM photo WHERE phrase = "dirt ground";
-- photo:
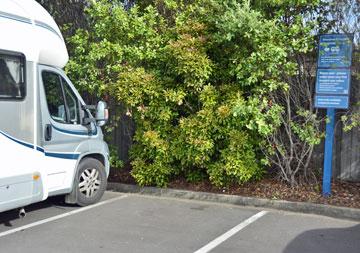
(346, 194)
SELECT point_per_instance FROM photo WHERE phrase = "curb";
(302, 207)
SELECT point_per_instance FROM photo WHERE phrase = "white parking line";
(60, 216)
(211, 245)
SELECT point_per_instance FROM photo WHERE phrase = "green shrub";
(237, 163)
(155, 174)
(114, 160)
(197, 77)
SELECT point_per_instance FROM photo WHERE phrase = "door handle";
(48, 132)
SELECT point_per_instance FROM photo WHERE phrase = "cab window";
(62, 103)
(72, 103)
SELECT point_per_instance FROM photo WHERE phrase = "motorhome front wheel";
(91, 181)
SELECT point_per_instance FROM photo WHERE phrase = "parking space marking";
(57, 217)
(211, 245)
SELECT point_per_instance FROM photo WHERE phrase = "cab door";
(64, 138)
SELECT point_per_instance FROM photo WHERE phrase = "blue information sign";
(333, 81)
(337, 102)
(335, 51)
(332, 89)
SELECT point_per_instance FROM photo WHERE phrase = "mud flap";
(71, 198)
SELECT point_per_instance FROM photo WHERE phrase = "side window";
(72, 104)
(54, 96)
(12, 77)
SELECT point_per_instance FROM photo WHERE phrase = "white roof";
(26, 27)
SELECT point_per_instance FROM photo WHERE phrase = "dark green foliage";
(199, 79)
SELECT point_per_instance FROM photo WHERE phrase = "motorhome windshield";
(12, 83)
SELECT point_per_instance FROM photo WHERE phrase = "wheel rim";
(89, 182)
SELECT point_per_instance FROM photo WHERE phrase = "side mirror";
(102, 113)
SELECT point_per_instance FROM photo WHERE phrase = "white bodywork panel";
(26, 27)
(20, 160)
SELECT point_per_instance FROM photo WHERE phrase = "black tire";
(89, 165)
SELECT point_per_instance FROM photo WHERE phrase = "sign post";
(332, 89)
(329, 140)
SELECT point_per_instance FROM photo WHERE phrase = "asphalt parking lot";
(136, 223)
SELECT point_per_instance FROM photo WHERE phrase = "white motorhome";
(50, 144)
